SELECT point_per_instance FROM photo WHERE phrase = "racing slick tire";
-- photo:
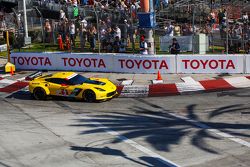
(89, 96)
(39, 94)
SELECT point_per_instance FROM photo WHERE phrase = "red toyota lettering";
(186, 63)
(101, 64)
(147, 62)
(163, 64)
(72, 62)
(230, 64)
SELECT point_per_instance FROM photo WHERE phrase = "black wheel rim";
(39, 94)
(90, 96)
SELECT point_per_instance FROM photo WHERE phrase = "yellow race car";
(71, 84)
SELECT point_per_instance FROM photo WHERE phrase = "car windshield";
(78, 80)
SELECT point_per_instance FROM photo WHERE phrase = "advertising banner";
(126, 63)
(145, 64)
(210, 64)
(247, 65)
(94, 62)
(61, 61)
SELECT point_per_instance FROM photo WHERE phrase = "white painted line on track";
(208, 128)
(189, 87)
(25, 89)
(21, 79)
(132, 143)
(215, 131)
(5, 75)
(188, 80)
(127, 82)
(238, 82)
(6, 82)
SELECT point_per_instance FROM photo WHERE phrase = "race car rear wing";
(33, 75)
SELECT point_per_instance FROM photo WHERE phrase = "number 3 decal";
(62, 92)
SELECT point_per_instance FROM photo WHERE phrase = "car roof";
(64, 75)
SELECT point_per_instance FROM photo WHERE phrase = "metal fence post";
(98, 31)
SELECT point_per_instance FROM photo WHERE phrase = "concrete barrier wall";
(210, 64)
(247, 64)
(126, 63)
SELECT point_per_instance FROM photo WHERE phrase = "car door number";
(62, 92)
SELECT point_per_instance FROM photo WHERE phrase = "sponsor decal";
(143, 64)
(206, 64)
(83, 62)
(26, 61)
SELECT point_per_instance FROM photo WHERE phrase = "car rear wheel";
(89, 96)
(39, 94)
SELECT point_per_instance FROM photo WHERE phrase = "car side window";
(57, 81)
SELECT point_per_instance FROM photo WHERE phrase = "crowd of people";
(113, 37)
(235, 33)
(117, 35)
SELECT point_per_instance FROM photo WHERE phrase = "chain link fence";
(95, 28)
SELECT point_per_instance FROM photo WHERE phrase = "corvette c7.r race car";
(71, 84)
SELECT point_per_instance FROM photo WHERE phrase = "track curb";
(182, 88)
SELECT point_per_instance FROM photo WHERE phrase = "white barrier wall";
(210, 64)
(247, 64)
(94, 62)
(144, 64)
(126, 63)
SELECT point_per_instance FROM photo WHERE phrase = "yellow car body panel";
(102, 87)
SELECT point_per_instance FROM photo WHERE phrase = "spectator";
(237, 34)
(247, 48)
(143, 46)
(133, 10)
(91, 2)
(84, 2)
(221, 15)
(83, 33)
(116, 44)
(123, 45)
(74, 2)
(165, 3)
(177, 30)
(117, 32)
(103, 32)
(230, 39)
(62, 15)
(131, 34)
(169, 30)
(72, 33)
(184, 30)
(109, 40)
(245, 18)
(48, 31)
(209, 34)
(91, 37)
(75, 11)
(223, 31)
(175, 47)
(212, 18)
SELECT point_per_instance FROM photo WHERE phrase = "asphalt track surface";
(210, 129)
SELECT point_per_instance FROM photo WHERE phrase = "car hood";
(95, 81)
(102, 83)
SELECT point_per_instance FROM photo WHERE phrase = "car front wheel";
(89, 96)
